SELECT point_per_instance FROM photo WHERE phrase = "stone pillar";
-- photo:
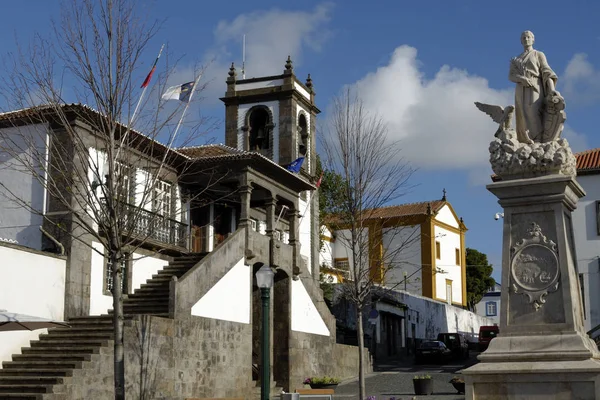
(542, 351)
(270, 207)
(293, 241)
(245, 194)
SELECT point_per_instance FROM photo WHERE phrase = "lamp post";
(264, 280)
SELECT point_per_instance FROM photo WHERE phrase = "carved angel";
(503, 116)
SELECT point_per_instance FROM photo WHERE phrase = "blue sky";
(419, 64)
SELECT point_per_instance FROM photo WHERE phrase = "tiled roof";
(404, 210)
(210, 150)
(588, 160)
(78, 109)
(401, 210)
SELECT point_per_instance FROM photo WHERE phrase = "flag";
(295, 165)
(319, 181)
(147, 80)
(179, 92)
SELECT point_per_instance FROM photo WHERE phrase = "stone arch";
(258, 128)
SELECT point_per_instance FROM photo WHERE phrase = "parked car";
(486, 334)
(456, 342)
(432, 351)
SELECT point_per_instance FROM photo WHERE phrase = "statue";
(537, 102)
(534, 148)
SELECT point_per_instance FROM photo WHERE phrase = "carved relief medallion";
(535, 269)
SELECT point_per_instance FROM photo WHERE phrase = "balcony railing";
(143, 224)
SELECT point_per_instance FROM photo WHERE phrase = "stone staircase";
(49, 361)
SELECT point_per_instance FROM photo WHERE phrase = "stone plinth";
(543, 351)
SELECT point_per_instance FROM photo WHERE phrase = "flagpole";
(137, 107)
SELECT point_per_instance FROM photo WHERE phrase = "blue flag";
(295, 165)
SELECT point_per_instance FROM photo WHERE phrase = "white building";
(586, 229)
(489, 306)
(422, 246)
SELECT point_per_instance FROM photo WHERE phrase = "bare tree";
(86, 155)
(357, 148)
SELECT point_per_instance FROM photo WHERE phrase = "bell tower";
(272, 115)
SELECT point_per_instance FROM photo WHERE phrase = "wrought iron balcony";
(144, 225)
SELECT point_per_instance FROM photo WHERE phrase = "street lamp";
(264, 280)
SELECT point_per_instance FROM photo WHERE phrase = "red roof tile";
(404, 210)
(588, 160)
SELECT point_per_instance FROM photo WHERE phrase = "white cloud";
(581, 80)
(270, 37)
(436, 120)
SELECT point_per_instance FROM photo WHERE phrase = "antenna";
(244, 57)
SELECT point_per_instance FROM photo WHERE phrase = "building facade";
(200, 226)
(586, 226)
(422, 246)
(489, 305)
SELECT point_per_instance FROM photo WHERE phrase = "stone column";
(270, 204)
(542, 351)
(293, 241)
(245, 194)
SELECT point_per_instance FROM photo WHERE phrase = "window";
(457, 252)
(341, 263)
(161, 199)
(438, 250)
(277, 235)
(491, 309)
(449, 291)
(108, 275)
(253, 224)
(122, 176)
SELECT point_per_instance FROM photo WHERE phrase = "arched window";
(259, 135)
(303, 135)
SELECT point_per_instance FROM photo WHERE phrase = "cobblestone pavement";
(395, 380)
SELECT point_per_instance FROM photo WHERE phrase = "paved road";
(395, 380)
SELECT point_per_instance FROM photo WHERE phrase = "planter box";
(423, 386)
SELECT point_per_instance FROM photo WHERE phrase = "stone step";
(30, 380)
(145, 298)
(157, 291)
(24, 388)
(81, 329)
(51, 357)
(22, 396)
(99, 320)
(36, 372)
(33, 364)
(53, 341)
(61, 349)
(104, 335)
(152, 284)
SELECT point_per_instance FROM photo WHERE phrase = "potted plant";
(423, 384)
(322, 382)
(458, 383)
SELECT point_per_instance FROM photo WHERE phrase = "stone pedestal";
(542, 351)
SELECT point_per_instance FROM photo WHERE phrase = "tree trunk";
(119, 359)
(361, 355)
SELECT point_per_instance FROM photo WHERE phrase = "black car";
(432, 351)
(457, 343)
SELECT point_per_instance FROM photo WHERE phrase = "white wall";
(31, 283)
(408, 239)
(219, 303)
(446, 216)
(326, 252)
(587, 247)
(449, 242)
(17, 222)
(481, 307)
(258, 85)
(305, 316)
(432, 317)
(143, 267)
(99, 302)
(243, 109)
(305, 230)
